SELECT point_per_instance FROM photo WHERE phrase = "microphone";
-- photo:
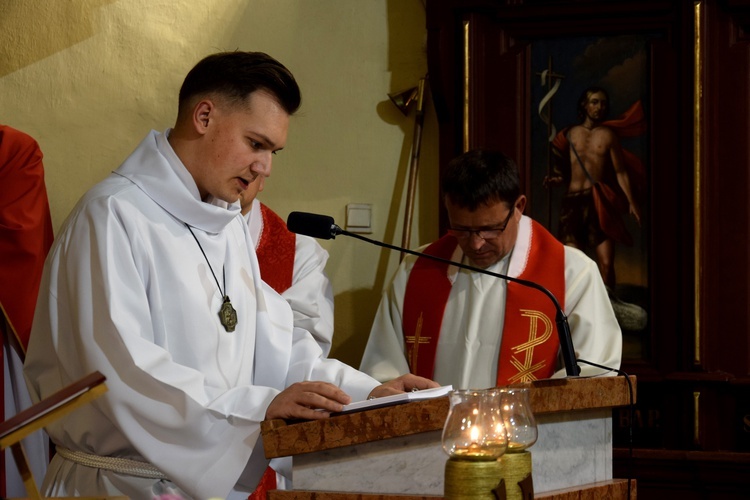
(324, 227)
(318, 226)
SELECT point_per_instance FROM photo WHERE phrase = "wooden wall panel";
(694, 382)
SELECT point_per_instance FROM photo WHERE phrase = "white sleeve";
(594, 329)
(311, 294)
(384, 357)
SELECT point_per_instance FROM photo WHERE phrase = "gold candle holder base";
(516, 471)
(471, 479)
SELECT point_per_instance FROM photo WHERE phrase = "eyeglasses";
(485, 234)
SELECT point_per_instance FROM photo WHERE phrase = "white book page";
(394, 399)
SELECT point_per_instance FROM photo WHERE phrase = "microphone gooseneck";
(324, 227)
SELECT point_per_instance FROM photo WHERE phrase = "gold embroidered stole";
(425, 299)
(530, 343)
(529, 347)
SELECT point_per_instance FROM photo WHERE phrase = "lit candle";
(474, 434)
(475, 450)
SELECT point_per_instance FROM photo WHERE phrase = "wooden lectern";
(396, 451)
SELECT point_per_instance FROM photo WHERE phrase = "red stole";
(266, 484)
(427, 291)
(529, 347)
(275, 251)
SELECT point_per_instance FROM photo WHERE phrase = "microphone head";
(317, 226)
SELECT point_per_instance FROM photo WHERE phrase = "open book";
(405, 397)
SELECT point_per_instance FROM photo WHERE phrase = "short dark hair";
(480, 177)
(583, 100)
(236, 75)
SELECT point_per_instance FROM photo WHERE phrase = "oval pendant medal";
(227, 315)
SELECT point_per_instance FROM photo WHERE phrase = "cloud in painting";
(618, 64)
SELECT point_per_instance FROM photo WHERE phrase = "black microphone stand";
(563, 328)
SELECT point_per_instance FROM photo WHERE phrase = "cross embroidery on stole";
(413, 341)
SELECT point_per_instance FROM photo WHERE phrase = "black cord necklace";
(227, 314)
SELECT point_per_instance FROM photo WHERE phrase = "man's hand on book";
(307, 400)
(404, 383)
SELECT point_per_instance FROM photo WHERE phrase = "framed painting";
(589, 162)
(510, 78)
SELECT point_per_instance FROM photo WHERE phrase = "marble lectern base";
(573, 448)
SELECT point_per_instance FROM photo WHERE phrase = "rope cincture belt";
(115, 464)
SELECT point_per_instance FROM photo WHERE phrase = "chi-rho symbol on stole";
(540, 330)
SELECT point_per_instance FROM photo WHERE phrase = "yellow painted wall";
(89, 78)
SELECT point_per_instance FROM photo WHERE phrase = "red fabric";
(529, 348)
(25, 229)
(632, 123)
(427, 292)
(526, 310)
(609, 205)
(25, 239)
(3, 482)
(276, 251)
(267, 483)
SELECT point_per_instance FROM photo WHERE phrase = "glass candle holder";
(475, 428)
(519, 419)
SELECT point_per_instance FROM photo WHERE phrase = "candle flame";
(474, 433)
